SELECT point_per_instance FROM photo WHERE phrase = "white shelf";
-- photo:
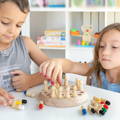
(81, 48)
(42, 19)
(52, 48)
(48, 9)
(87, 9)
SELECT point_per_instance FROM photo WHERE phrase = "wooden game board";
(81, 98)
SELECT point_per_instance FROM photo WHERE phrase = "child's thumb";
(16, 72)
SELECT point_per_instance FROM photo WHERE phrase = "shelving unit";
(45, 18)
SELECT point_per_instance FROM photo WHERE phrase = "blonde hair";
(97, 67)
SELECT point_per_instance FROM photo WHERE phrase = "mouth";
(8, 36)
(105, 59)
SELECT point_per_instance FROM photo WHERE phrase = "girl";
(16, 51)
(103, 72)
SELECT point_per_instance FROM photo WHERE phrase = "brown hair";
(22, 4)
(96, 64)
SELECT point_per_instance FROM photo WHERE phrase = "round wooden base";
(64, 102)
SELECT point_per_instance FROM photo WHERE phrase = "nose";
(106, 51)
(12, 29)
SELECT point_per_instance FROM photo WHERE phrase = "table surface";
(31, 111)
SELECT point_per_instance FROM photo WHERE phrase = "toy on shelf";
(48, 3)
(118, 3)
(42, 3)
(77, 3)
(56, 3)
(75, 32)
(64, 95)
(89, 3)
(95, 3)
(39, 3)
(87, 39)
(52, 38)
(113, 3)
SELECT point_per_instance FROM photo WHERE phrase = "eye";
(5, 23)
(114, 47)
(101, 46)
(19, 26)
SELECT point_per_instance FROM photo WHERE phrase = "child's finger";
(15, 83)
(50, 70)
(55, 74)
(17, 86)
(4, 94)
(16, 72)
(3, 101)
(11, 96)
(60, 77)
(43, 68)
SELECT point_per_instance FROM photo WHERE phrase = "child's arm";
(54, 68)
(5, 97)
(35, 53)
(23, 81)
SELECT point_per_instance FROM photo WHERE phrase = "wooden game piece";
(45, 85)
(66, 82)
(79, 85)
(91, 109)
(31, 94)
(57, 85)
(67, 92)
(53, 92)
(17, 104)
(24, 101)
(83, 110)
(35, 91)
(74, 94)
(94, 103)
(97, 99)
(60, 90)
(98, 105)
(41, 105)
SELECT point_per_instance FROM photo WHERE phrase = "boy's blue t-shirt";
(105, 83)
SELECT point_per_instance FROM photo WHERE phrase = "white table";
(31, 111)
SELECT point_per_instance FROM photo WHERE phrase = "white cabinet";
(66, 18)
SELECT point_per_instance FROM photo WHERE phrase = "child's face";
(109, 51)
(11, 21)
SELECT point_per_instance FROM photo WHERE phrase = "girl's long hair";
(96, 66)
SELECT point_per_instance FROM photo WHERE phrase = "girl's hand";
(20, 80)
(52, 70)
(5, 97)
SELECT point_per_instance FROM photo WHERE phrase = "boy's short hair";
(22, 4)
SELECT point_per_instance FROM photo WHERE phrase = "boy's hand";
(52, 70)
(20, 80)
(5, 97)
